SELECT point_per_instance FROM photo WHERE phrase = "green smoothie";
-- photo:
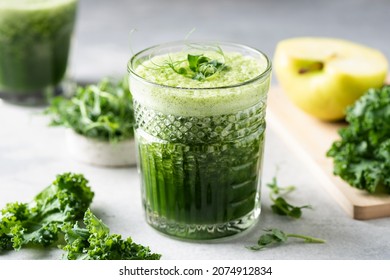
(34, 44)
(200, 142)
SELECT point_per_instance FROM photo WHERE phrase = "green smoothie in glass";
(34, 45)
(200, 122)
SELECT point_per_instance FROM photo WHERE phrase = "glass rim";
(263, 74)
(28, 5)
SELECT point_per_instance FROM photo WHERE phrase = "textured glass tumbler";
(35, 38)
(200, 150)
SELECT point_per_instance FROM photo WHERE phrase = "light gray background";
(102, 44)
(32, 154)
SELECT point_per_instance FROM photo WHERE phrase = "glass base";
(203, 232)
(33, 98)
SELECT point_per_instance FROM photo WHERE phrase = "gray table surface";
(31, 154)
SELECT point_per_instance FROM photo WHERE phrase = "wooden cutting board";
(310, 139)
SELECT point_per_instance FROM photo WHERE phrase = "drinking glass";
(200, 149)
(35, 38)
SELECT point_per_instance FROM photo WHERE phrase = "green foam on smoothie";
(225, 92)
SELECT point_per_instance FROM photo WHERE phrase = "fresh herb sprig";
(103, 111)
(197, 67)
(280, 206)
(274, 237)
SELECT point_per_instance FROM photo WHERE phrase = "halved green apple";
(323, 76)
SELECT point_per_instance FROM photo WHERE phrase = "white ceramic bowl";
(101, 153)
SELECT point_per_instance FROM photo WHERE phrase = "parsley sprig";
(280, 206)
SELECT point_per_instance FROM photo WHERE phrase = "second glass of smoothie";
(35, 40)
(200, 123)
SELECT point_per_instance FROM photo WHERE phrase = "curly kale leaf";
(96, 243)
(40, 221)
(103, 111)
(362, 156)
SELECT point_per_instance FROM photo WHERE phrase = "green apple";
(323, 76)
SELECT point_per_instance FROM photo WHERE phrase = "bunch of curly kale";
(53, 216)
(362, 155)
